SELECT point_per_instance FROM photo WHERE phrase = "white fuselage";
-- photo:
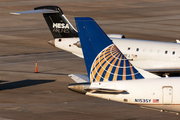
(161, 93)
(153, 56)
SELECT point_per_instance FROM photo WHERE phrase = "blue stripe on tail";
(104, 61)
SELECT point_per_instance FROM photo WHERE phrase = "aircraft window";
(166, 52)
(137, 49)
(151, 50)
(129, 48)
(173, 52)
(59, 40)
(158, 51)
(144, 50)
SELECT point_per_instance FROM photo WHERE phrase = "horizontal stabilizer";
(35, 11)
(79, 55)
(57, 22)
(147, 74)
(104, 90)
(78, 78)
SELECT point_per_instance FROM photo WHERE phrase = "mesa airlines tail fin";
(58, 24)
(104, 61)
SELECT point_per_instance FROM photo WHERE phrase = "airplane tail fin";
(57, 22)
(104, 61)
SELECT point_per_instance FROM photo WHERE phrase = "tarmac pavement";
(25, 95)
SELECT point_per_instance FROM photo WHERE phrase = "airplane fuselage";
(153, 56)
(161, 93)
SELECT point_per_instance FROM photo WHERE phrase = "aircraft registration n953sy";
(153, 56)
(111, 76)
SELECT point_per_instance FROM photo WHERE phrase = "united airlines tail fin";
(104, 61)
(58, 24)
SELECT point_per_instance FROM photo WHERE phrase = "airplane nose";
(51, 42)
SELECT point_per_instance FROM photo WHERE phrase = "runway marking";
(17, 109)
(40, 61)
(54, 54)
(31, 53)
(77, 112)
(5, 118)
(48, 56)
